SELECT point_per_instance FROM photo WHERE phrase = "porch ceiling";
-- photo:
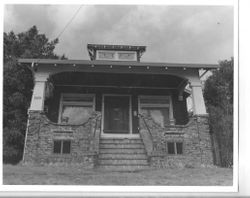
(116, 80)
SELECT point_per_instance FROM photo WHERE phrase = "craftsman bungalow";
(116, 112)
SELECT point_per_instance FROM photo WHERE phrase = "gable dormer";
(115, 52)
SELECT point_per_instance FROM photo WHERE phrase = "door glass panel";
(116, 114)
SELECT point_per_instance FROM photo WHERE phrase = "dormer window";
(115, 52)
(116, 55)
(106, 55)
(126, 56)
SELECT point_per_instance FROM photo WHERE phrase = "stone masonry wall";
(197, 148)
(41, 133)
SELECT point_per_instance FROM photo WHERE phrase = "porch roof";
(86, 63)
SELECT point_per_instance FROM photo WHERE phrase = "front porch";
(73, 112)
(120, 99)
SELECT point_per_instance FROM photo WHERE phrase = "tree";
(218, 94)
(18, 84)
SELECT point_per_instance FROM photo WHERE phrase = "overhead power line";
(69, 21)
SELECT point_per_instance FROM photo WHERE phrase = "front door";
(116, 115)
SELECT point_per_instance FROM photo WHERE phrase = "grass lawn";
(51, 175)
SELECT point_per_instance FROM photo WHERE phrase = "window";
(126, 56)
(106, 55)
(156, 107)
(75, 108)
(171, 148)
(62, 146)
(116, 55)
(179, 148)
(175, 148)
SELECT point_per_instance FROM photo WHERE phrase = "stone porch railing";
(195, 136)
(42, 132)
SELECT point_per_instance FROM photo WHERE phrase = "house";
(116, 112)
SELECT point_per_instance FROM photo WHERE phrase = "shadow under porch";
(100, 84)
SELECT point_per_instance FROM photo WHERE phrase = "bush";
(222, 127)
(11, 155)
(18, 84)
(218, 94)
(12, 142)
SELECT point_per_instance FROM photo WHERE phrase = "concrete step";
(124, 140)
(122, 156)
(130, 168)
(123, 162)
(122, 151)
(121, 146)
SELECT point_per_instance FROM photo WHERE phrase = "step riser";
(123, 168)
(122, 151)
(122, 156)
(121, 146)
(111, 141)
(123, 162)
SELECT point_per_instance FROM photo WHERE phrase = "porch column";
(198, 99)
(37, 101)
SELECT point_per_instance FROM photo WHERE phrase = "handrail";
(147, 138)
(96, 124)
(145, 123)
(96, 141)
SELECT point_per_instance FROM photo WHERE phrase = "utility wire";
(69, 22)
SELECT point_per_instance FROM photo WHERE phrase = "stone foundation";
(197, 149)
(41, 133)
(195, 136)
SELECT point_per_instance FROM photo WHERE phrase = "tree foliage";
(18, 84)
(218, 94)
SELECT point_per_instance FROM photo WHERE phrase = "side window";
(179, 147)
(57, 146)
(75, 108)
(171, 149)
(62, 147)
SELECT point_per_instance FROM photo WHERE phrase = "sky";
(177, 34)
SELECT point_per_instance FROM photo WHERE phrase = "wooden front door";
(116, 114)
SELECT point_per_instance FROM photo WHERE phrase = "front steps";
(122, 154)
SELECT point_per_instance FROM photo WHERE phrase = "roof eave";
(118, 63)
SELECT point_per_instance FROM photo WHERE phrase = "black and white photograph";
(114, 96)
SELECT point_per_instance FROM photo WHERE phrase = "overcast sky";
(193, 34)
